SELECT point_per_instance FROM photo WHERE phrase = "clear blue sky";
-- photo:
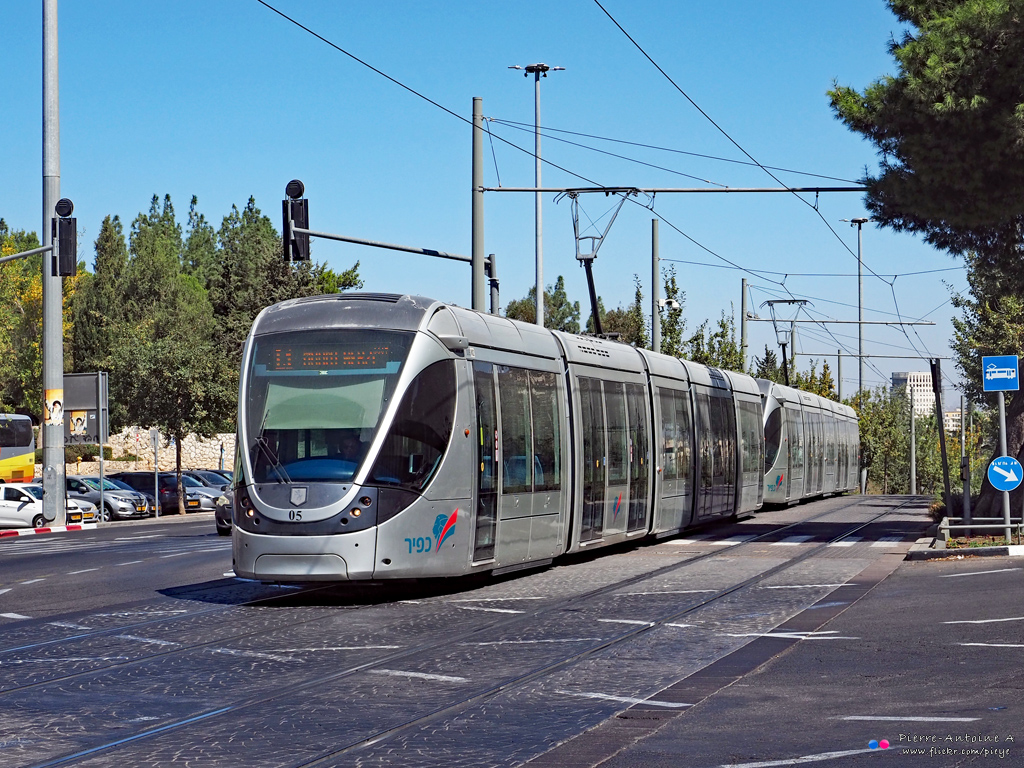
(227, 100)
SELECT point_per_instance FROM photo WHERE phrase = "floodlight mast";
(784, 335)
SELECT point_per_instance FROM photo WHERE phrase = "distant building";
(921, 384)
(951, 421)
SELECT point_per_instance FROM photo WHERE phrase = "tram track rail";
(245, 702)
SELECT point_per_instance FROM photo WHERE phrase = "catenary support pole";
(53, 341)
(477, 254)
(839, 374)
(743, 321)
(913, 444)
(965, 466)
(538, 200)
(492, 265)
(655, 289)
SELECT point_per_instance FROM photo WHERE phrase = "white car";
(21, 506)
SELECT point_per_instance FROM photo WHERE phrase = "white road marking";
(849, 541)
(140, 613)
(4, 591)
(252, 654)
(14, 616)
(833, 604)
(793, 635)
(84, 570)
(136, 538)
(338, 648)
(887, 542)
(978, 573)
(628, 621)
(419, 675)
(791, 541)
(229, 573)
(734, 540)
(66, 658)
(31, 581)
(67, 625)
(681, 626)
(798, 760)
(152, 641)
(625, 699)
(985, 621)
(531, 642)
(666, 592)
(488, 610)
(130, 562)
(495, 599)
(888, 719)
(690, 539)
(995, 645)
(176, 554)
(805, 586)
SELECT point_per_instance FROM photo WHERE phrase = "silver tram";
(386, 436)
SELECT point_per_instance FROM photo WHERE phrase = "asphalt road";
(130, 645)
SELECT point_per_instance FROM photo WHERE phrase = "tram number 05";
(295, 514)
(421, 544)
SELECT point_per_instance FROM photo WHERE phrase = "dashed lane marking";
(533, 642)
(804, 586)
(978, 573)
(338, 648)
(495, 599)
(31, 581)
(887, 542)
(628, 621)
(849, 541)
(252, 654)
(4, 591)
(130, 562)
(419, 675)
(734, 540)
(84, 570)
(984, 621)
(994, 645)
(14, 616)
(487, 610)
(625, 699)
(150, 640)
(67, 625)
(800, 760)
(791, 541)
(665, 592)
(909, 719)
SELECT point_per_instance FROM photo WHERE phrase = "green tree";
(948, 127)
(630, 323)
(768, 367)
(16, 317)
(673, 325)
(560, 314)
(717, 348)
(884, 431)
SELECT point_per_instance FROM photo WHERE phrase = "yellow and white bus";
(17, 449)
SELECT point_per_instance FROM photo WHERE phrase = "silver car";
(117, 502)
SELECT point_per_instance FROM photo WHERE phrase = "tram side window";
(421, 430)
(704, 438)
(751, 441)
(772, 438)
(670, 434)
(546, 438)
(728, 409)
(796, 437)
(516, 440)
(684, 451)
(618, 450)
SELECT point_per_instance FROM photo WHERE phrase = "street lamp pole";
(538, 71)
(860, 222)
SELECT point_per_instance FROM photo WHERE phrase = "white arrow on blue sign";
(1005, 473)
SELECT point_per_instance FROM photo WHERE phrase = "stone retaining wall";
(196, 453)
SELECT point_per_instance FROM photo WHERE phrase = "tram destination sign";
(999, 373)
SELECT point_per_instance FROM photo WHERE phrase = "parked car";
(123, 486)
(21, 506)
(209, 478)
(168, 497)
(222, 512)
(118, 503)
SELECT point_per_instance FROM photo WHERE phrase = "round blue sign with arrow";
(1005, 473)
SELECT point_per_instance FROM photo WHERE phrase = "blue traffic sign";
(999, 374)
(1005, 473)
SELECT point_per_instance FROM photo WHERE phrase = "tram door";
(676, 460)
(592, 428)
(617, 494)
(639, 460)
(487, 460)
(702, 424)
(795, 428)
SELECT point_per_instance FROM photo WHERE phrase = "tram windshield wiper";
(264, 445)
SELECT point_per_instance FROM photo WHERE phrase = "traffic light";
(295, 213)
(64, 233)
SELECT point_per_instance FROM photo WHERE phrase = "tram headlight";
(356, 512)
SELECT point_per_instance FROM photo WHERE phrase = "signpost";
(1000, 374)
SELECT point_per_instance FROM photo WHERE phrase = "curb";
(48, 529)
(922, 550)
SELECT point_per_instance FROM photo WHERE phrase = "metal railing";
(984, 523)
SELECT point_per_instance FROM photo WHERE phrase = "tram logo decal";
(444, 528)
(618, 505)
(778, 482)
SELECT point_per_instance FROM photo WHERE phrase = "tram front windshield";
(316, 399)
